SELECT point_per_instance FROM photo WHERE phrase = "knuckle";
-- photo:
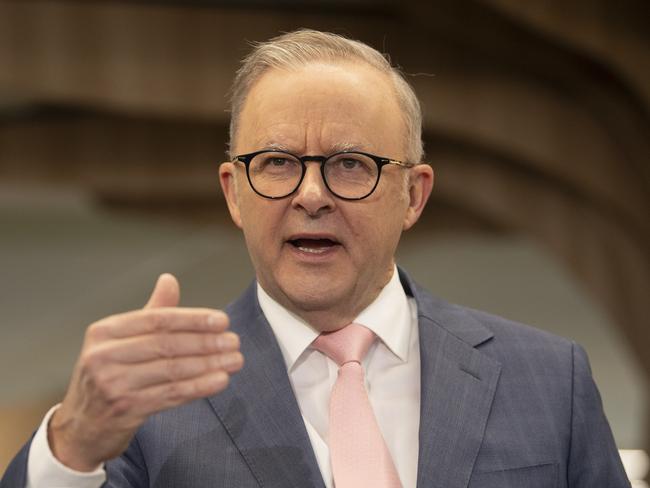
(176, 392)
(220, 318)
(238, 360)
(91, 362)
(201, 365)
(235, 340)
(102, 330)
(214, 383)
(224, 360)
(228, 341)
(107, 383)
(222, 380)
(213, 362)
(156, 321)
(121, 406)
(85, 362)
(98, 330)
(101, 379)
(165, 346)
(92, 332)
(175, 369)
(207, 344)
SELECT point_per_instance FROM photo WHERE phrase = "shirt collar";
(388, 316)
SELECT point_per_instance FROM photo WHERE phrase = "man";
(324, 177)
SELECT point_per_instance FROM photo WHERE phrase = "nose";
(312, 195)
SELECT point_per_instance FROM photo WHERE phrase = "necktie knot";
(351, 343)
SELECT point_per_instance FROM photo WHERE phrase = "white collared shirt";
(392, 368)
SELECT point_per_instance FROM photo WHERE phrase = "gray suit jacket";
(502, 406)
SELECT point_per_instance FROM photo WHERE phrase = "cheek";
(389, 224)
(261, 225)
(373, 233)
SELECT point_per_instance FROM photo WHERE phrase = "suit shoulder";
(506, 340)
(507, 330)
(522, 348)
(479, 328)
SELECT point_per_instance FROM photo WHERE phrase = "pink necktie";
(359, 454)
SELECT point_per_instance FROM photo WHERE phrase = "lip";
(313, 257)
(313, 236)
(322, 255)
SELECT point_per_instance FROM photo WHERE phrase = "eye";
(276, 161)
(350, 163)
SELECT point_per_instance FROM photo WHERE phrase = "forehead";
(322, 107)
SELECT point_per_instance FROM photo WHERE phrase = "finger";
(166, 293)
(163, 346)
(143, 375)
(168, 395)
(159, 320)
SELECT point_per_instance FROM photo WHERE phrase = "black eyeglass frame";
(379, 161)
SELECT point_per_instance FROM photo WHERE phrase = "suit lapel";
(259, 409)
(458, 383)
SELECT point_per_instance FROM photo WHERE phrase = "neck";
(329, 320)
(337, 316)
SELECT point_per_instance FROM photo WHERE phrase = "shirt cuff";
(46, 471)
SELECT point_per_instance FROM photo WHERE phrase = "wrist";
(65, 448)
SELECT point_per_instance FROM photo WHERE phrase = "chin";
(313, 293)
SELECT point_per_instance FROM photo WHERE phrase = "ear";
(227, 178)
(420, 186)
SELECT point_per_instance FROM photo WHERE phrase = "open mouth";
(313, 245)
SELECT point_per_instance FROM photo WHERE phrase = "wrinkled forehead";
(324, 106)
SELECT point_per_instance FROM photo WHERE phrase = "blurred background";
(113, 120)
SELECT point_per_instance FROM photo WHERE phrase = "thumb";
(166, 293)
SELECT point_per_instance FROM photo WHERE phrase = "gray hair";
(304, 46)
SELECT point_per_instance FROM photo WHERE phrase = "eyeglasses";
(348, 175)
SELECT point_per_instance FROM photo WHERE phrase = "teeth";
(312, 250)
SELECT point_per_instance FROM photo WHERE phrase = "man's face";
(318, 255)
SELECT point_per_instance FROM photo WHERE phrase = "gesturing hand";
(135, 364)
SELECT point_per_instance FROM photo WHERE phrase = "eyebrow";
(276, 146)
(348, 146)
(334, 148)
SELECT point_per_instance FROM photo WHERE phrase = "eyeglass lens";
(348, 175)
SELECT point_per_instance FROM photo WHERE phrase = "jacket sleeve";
(593, 457)
(128, 470)
(15, 475)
